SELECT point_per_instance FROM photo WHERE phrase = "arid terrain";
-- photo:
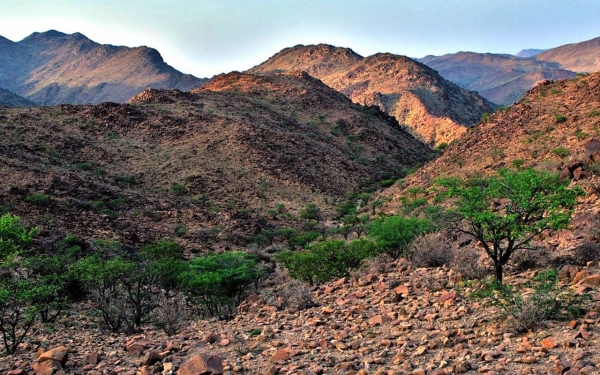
(221, 165)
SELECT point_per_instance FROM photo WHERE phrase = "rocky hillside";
(555, 127)
(579, 57)
(502, 79)
(396, 320)
(10, 99)
(55, 68)
(417, 96)
(208, 167)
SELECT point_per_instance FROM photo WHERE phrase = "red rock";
(48, 367)
(401, 290)
(582, 335)
(224, 342)
(339, 282)
(329, 290)
(202, 364)
(327, 310)
(378, 320)
(448, 296)
(549, 343)
(282, 355)
(573, 324)
(151, 358)
(92, 358)
(137, 345)
(568, 272)
(579, 276)
(18, 371)
(593, 280)
(59, 355)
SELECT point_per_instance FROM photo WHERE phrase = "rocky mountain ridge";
(435, 109)
(55, 68)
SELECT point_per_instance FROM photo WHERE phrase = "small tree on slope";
(506, 212)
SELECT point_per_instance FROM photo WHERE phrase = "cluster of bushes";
(126, 286)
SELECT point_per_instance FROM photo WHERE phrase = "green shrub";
(394, 234)
(387, 183)
(560, 118)
(326, 260)
(179, 189)
(180, 230)
(560, 151)
(166, 263)
(126, 180)
(311, 212)
(302, 239)
(84, 166)
(39, 199)
(218, 282)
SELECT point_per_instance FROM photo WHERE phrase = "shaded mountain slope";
(11, 99)
(579, 57)
(502, 79)
(54, 68)
(414, 94)
(208, 167)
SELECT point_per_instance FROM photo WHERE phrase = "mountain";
(55, 68)
(554, 127)
(417, 96)
(212, 168)
(502, 79)
(10, 99)
(581, 57)
(525, 53)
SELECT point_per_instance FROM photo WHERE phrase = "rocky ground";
(399, 321)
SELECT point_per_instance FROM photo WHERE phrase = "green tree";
(507, 211)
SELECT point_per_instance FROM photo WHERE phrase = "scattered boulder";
(202, 364)
(59, 354)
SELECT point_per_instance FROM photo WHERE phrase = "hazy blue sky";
(206, 37)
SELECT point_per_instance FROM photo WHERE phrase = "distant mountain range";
(437, 97)
(504, 79)
(54, 68)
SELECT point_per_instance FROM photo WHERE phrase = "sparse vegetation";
(561, 152)
(548, 301)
